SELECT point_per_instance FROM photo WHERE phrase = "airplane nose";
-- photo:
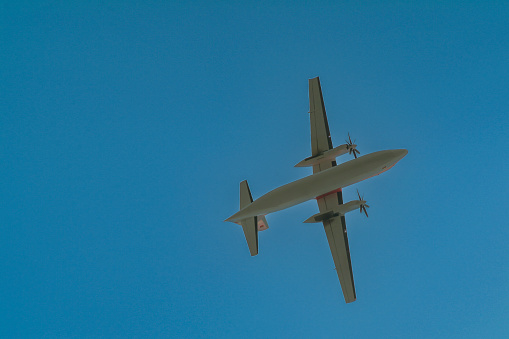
(401, 153)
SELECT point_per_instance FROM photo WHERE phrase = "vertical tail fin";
(249, 225)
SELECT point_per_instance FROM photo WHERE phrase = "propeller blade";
(356, 150)
(355, 155)
(360, 209)
(359, 194)
(350, 138)
(366, 205)
(364, 208)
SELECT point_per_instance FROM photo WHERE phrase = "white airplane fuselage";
(321, 183)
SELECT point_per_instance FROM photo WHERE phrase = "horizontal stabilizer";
(245, 194)
(250, 228)
(249, 225)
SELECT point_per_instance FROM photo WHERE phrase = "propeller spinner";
(351, 147)
(363, 204)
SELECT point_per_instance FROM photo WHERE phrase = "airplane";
(325, 185)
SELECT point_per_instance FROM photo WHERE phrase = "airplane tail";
(249, 225)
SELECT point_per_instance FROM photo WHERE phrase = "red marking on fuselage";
(326, 194)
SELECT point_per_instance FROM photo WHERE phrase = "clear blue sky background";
(125, 129)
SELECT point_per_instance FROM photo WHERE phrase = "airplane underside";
(325, 185)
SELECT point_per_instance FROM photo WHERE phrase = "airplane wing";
(320, 134)
(335, 228)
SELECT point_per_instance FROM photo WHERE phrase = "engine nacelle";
(329, 155)
(338, 211)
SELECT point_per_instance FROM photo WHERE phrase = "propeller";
(363, 205)
(351, 147)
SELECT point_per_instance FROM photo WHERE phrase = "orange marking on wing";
(326, 194)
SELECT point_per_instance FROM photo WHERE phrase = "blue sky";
(125, 129)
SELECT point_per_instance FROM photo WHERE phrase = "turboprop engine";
(340, 210)
(331, 154)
